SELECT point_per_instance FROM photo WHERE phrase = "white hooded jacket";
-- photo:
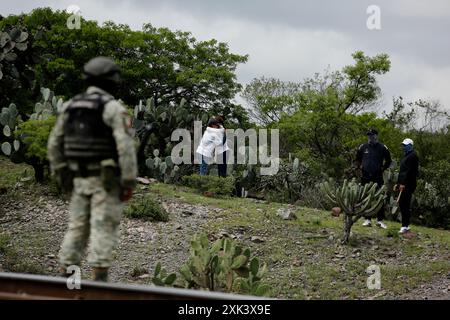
(212, 140)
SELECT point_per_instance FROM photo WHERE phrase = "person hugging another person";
(213, 143)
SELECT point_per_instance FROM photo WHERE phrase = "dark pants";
(379, 181)
(405, 204)
(222, 167)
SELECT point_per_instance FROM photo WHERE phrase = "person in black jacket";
(407, 182)
(373, 157)
(222, 165)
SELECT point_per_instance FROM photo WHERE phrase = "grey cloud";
(293, 39)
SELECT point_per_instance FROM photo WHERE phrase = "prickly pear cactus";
(166, 118)
(162, 278)
(223, 265)
(162, 169)
(49, 106)
(9, 119)
(12, 41)
(355, 200)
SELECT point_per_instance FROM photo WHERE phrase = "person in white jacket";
(211, 144)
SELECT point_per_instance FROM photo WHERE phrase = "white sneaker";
(404, 229)
(381, 225)
(367, 223)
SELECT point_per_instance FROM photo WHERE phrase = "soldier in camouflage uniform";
(92, 153)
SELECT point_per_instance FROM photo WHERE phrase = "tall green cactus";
(165, 118)
(355, 200)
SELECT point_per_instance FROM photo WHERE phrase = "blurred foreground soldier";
(374, 157)
(92, 153)
(407, 182)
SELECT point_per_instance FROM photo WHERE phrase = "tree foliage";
(156, 62)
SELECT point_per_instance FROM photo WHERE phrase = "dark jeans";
(405, 204)
(222, 167)
(379, 181)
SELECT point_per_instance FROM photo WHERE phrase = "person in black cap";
(373, 157)
(407, 181)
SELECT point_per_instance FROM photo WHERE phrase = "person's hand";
(126, 194)
(395, 187)
(401, 187)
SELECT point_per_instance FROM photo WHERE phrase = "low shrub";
(213, 184)
(432, 202)
(146, 208)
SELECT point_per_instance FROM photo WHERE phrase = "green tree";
(156, 62)
(269, 98)
(330, 114)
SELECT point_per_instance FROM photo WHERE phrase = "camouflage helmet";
(102, 68)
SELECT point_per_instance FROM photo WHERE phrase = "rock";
(51, 256)
(144, 276)
(296, 263)
(187, 212)
(223, 234)
(257, 239)
(286, 214)
(178, 226)
(409, 235)
(391, 254)
(336, 211)
(143, 180)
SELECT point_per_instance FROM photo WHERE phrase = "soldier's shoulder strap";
(89, 101)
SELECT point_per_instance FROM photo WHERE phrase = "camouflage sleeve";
(117, 117)
(55, 144)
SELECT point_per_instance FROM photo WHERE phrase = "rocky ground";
(38, 223)
(302, 254)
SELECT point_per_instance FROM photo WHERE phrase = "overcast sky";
(291, 40)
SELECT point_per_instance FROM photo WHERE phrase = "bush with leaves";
(222, 186)
(147, 208)
(432, 196)
(26, 141)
